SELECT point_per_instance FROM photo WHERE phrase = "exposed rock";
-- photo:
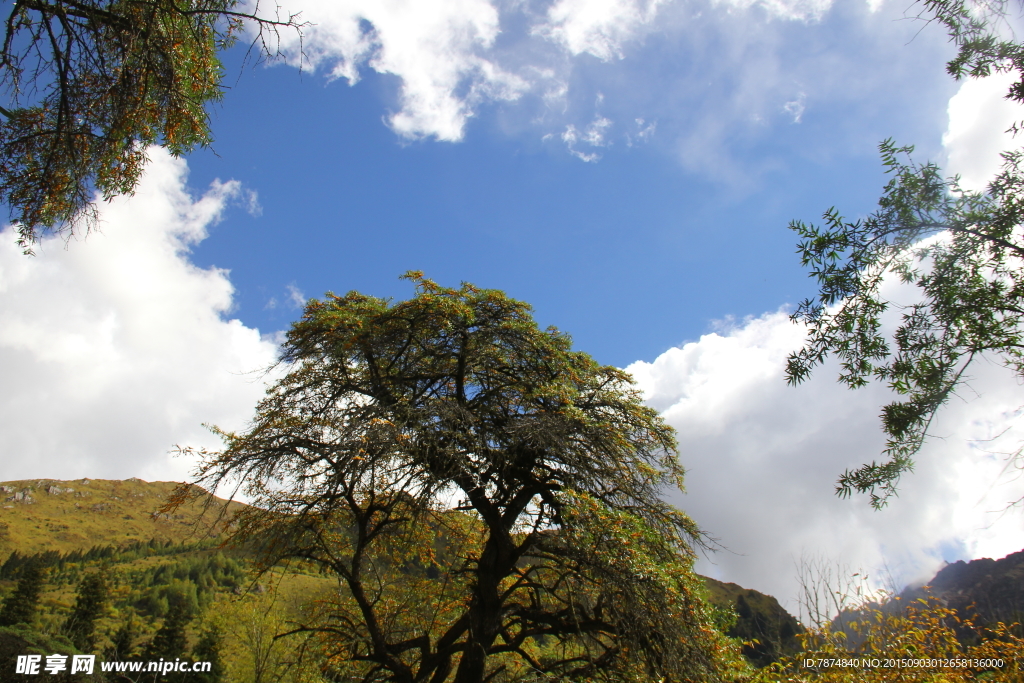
(24, 496)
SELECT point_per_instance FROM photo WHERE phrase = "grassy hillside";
(150, 562)
(153, 560)
(47, 514)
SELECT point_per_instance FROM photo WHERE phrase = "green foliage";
(561, 559)
(171, 640)
(92, 599)
(20, 606)
(12, 566)
(767, 634)
(968, 277)
(23, 640)
(137, 577)
(16, 562)
(88, 84)
(974, 28)
(162, 598)
(193, 580)
(758, 621)
(253, 648)
(122, 646)
(972, 298)
(208, 649)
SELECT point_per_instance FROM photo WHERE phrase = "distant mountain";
(46, 514)
(987, 590)
(760, 618)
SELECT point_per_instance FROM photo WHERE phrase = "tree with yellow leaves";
(491, 501)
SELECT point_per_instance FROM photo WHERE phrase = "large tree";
(491, 501)
(962, 251)
(87, 85)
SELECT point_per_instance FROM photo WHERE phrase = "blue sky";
(627, 167)
(633, 252)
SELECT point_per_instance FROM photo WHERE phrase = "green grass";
(97, 512)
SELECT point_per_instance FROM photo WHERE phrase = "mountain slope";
(990, 590)
(760, 620)
(47, 514)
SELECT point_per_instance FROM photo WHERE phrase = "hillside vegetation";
(155, 563)
(51, 515)
(172, 587)
(163, 585)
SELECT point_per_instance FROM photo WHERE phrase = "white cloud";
(644, 132)
(116, 348)
(793, 10)
(251, 202)
(435, 48)
(454, 57)
(796, 108)
(762, 460)
(597, 27)
(595, 135)
(296, 297)
(979, 116)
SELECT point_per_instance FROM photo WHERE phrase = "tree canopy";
(490, 500)
(87, 85)
(962, 250)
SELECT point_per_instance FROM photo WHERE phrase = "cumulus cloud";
(117, 347)
(597, 27)
(437, 49)
(762, 460)
(979, 120)
(453, 58)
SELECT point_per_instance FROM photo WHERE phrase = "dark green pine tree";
(93, 595)
(208, 650)
(170, 641)
(20, 606)
(124, 640)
